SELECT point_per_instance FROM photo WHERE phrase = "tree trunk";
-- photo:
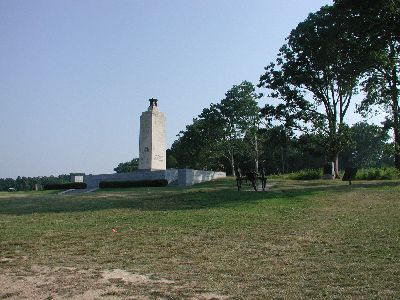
(396, 132)
(395, 108)
(397, 148)
(336, 165)
(256, 153)
(232, 163)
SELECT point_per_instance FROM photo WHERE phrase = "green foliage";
(368, 147)
(389, 173)
(172, 163)
(65, 186)
(240, 118)
(314, 78)
(307, 174)
(28, 183)
(127, 167)
(195, 147)
(376, 26)
(133, 183)
(316, 71)
(283, 153)
(222, 133)
(378, 174)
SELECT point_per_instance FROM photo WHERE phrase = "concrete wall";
(181, 177)
(202, 176)
(189, 176)
(94, 180)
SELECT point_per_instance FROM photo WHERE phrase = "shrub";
(378, 174)
(306, 174)
(133, 183)
(278, 176)
(65, 186)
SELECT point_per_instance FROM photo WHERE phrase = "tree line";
(344, 49)
(28, 183)
(211, 143)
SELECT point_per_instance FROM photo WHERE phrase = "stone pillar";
(152, 154)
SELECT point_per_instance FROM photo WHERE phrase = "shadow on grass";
(205, 197)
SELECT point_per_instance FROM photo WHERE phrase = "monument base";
(175, 177)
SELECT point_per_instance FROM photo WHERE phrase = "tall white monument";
(152, 154)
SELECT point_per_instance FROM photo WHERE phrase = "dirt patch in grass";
(43, 282)
(133, 278)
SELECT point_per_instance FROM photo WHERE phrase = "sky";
(76, 75)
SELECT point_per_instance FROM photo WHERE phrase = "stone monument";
(152, 154)
(152, 158)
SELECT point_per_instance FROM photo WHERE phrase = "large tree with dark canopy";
(316, 75)
(376, 26)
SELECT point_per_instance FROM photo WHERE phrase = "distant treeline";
(28, 183)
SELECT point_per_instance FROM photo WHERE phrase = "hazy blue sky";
(75, 75)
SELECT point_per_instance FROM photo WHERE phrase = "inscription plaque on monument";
(152, 155)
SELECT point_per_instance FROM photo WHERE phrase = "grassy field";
(299, 239)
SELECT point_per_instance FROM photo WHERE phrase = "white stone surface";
(175, 177)
(152, 155)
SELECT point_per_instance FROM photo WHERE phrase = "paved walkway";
(78, 191)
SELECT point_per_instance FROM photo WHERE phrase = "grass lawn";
(300, 239)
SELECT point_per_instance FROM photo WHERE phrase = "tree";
(287, 153)
(6, 183)
(239, 116)
(129, 166)
(171, 160)
(194, 146)
(288, 115)
(316, 74)
(222, 132)
(368, 147)
(376, 25)
(276, 147)
(311, 151)
(28, 183)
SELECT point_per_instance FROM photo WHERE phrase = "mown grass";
(300, 239)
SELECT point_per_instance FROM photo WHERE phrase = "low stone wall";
(189, 176)
(177, 177)
(93, 181)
